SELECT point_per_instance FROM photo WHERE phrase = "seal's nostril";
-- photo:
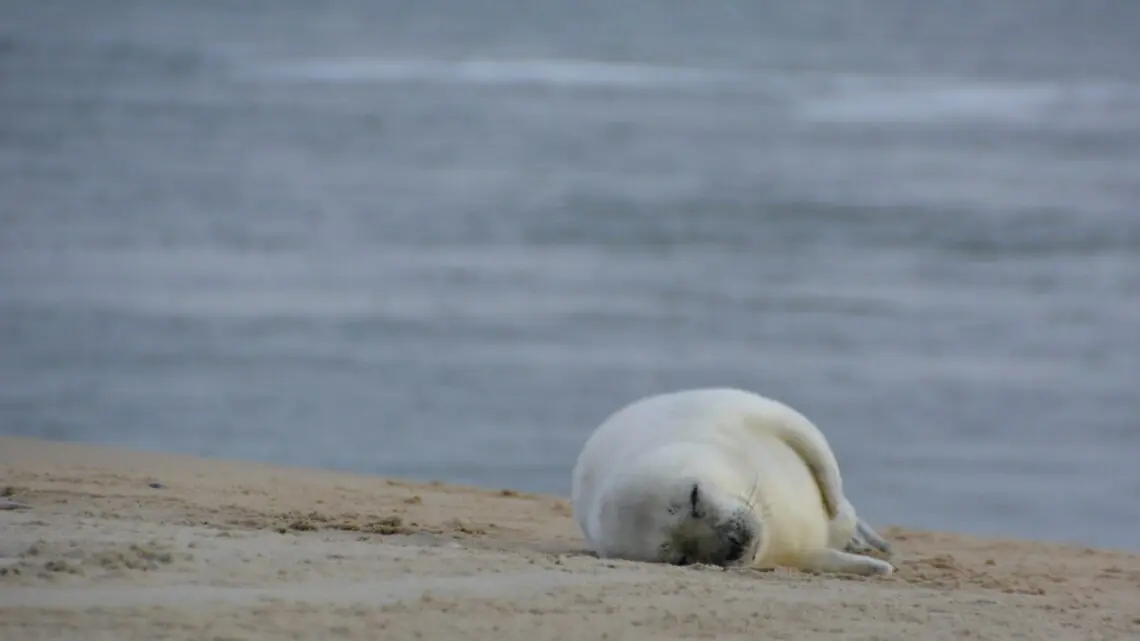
(693, 497)
(735, 552)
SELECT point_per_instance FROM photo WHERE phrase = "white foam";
(924, 101)
(555, 72)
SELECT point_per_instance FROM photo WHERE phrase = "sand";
(103, 543)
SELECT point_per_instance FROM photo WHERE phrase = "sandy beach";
(103, 543)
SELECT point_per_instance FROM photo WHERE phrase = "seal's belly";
(794, 516)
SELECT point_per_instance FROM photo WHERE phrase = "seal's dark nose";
(694, 498)
(736, 542)
(735, 551)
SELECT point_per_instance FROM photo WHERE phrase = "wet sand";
(104, 543)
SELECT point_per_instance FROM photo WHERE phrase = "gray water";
(443, 240)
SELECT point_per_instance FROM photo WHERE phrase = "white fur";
(718, 476)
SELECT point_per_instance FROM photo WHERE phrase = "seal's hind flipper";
(866, 540)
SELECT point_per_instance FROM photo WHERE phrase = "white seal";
(718, 476)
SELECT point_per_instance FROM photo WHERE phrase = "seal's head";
(672, 508)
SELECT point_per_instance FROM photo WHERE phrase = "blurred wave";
(816, 97)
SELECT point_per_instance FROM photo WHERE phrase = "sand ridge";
(108, 543)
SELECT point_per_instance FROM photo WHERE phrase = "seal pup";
(719, 476)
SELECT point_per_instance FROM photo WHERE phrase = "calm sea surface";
(443, 240)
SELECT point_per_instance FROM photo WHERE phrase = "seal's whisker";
(749, 496)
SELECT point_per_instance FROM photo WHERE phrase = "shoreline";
(124, 544)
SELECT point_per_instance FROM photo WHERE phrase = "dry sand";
(101, 543)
